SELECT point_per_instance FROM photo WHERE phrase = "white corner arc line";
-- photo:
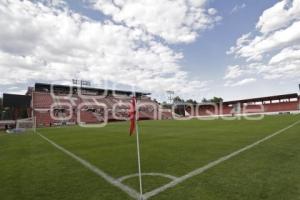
(212, 164)
(123, 178)
(131, 192)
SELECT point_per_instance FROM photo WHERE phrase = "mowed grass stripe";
(31, 169)
(169, 147)
(215, 163)
(94, 169)
(269, 171)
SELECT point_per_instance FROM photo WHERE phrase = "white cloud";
(287, 71)
(237, 8)
(256, 48)
(237, 75)
(278, 27)
(277, 36)
(240, 83)
(288, 54)
(41, 42)
(233, 72)
(240, 42)
(285, 68)
(212, 11)
(279, 16)
(175, 21)
(285, 64)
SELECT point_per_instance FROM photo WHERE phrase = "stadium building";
(53, 105)
(278, 104)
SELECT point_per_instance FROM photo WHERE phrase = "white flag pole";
(138, 152)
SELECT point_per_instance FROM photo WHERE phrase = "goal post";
(27, 124)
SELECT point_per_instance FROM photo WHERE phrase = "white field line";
(123, 178)
(131, 192)
(212, 164)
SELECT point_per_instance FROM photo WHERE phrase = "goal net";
(27, 123)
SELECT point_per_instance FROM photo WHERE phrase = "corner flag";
(134, 128)
(132, 116)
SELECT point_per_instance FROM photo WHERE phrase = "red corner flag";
(132, 113)
(133, 128)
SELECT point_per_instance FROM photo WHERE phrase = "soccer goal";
(26, 124)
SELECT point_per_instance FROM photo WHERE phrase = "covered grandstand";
(270, 105)
(61, 104)
(53, 105)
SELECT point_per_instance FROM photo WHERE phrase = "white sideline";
(123, 178)
(131, 192)
(212, 164)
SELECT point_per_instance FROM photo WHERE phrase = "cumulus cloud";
(237, 8)
(175, 21)
(285, 64)
(277, 35)
(50, 42)
(256, 48)
(279, 16)
(239, 75)
(287, 68)
(233, 72)
(240, 83)
(289, 54)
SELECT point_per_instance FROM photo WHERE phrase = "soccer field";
(195, 159)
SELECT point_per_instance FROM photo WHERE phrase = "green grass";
(32, 169)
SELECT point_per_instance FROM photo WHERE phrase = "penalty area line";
(131, 192)
(213, 164)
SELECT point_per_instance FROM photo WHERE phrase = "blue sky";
(207, 57)
(192, 58)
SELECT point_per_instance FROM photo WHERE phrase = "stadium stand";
(53, 105)
(69, 104)
(271, 104)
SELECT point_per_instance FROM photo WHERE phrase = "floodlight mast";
(81, 82)
(170, 97)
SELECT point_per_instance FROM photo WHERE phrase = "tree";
(204, 100)
(213, 100)
(216, 100)
(191, 101)
(177, 99)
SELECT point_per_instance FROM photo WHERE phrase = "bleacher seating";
(42, 102)
(279, 107)
(204, 110)
(43, 118)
